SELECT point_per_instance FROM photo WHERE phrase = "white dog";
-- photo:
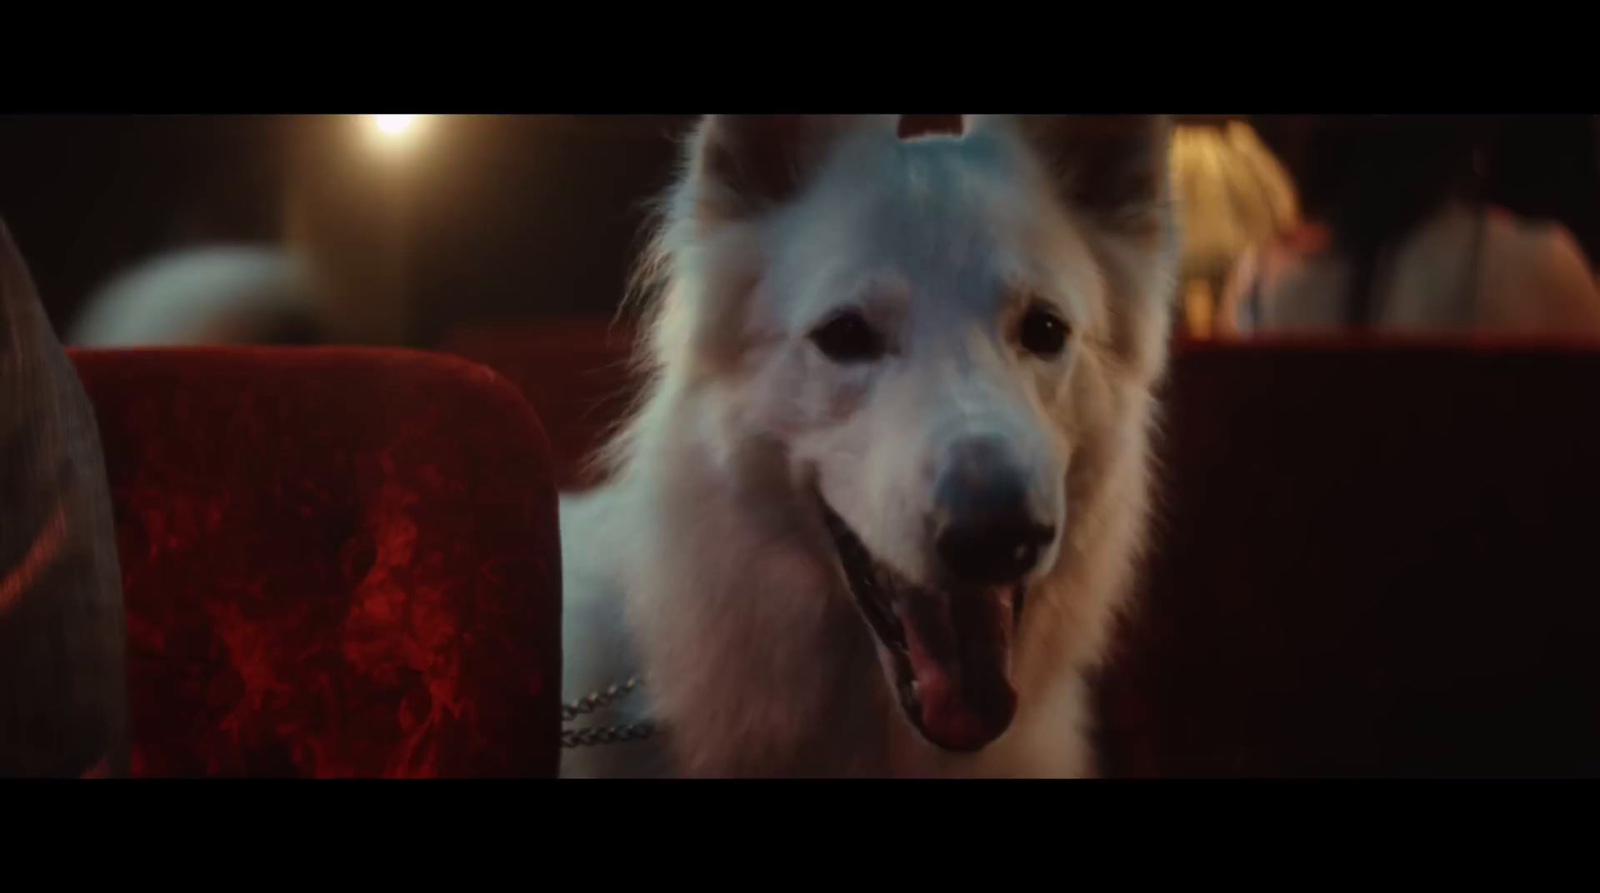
(880, 505)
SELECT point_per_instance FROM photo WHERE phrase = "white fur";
(703, 563)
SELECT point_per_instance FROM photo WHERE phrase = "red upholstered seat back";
(1373, 560)
(335, 562)
(576, 373)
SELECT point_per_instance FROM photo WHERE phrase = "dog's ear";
(741, 165)
(1111, 166)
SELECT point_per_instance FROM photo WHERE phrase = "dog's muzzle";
(947, 648)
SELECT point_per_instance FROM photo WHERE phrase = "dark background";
(509, 215)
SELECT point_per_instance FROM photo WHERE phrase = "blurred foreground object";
(211, 295)
(63, 700)
(1234, 195)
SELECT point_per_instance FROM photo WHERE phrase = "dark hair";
(1373, 179)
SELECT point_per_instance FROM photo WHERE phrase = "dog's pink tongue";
(961, 654)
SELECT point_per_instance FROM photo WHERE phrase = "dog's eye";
(849, 338)
(1042, 332)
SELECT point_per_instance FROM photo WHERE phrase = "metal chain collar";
(622, 734)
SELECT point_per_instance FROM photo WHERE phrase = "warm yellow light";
(394, 125)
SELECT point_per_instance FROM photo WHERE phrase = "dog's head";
(927, 327)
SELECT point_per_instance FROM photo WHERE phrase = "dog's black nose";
(985, 530)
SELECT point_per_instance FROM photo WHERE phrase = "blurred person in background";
(220, 294)
(220, 274)
(1233, 194)
(1401, 240)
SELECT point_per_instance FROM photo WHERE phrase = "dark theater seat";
(1370, 559)
(575, 373)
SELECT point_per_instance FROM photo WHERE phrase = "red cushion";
(1369, 561)
(336, 563)
(574, 372)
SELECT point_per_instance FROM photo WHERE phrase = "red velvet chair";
(576, 374)
(1370, 560)
(335, 563)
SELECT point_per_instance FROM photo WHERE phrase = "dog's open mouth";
(948, 653)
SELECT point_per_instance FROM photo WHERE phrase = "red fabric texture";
(1372, 560)
(336, 563)
(575, 373)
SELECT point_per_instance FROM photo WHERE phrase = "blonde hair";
(1233, 194)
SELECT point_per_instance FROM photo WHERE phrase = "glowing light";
(394, 125)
